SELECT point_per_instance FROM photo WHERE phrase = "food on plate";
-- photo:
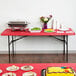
(48, 30)
(12, 68)
(9, 74)
(59, 71)
(36, 28)
(29, 74)
(27, 67)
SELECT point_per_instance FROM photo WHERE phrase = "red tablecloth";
(37, 67)
(42, 33)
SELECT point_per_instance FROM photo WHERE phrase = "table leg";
(64, 45)
(13, 45)
(9, 49)
(66, 48)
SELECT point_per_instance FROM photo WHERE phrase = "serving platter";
(27, 68)
(12, 68)
(6, 74)
(27, 74)
(64, 29)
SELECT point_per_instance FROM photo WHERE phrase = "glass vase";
(45, 26)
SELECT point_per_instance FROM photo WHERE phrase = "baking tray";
(17, 24)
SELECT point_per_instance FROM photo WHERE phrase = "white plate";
(9, 68)
(35, 31)
(27, 69)
(64, 29)
(5, 74)
(60, 31)
(26, 74)
(0, 71)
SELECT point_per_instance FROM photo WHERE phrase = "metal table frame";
(64, 40)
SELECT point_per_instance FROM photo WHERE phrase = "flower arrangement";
(45, 20)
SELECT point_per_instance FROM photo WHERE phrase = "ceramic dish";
(9, 74)
(64, 29)
(0, 71)
(49, 30)
(35, 29)
(27, 68)
(29, 74)
(12, 68)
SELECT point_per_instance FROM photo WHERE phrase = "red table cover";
(8, 32)
(37, 67)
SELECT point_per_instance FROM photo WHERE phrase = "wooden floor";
(37, 58)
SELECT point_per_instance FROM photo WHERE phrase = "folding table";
(23, 34)
(37, 67)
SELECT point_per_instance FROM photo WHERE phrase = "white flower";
(45, 19)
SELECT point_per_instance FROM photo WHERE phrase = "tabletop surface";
(37, 67)
(9, 32)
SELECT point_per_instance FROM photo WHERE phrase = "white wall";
(31, 10)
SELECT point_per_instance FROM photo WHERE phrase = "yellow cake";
(59, 71)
